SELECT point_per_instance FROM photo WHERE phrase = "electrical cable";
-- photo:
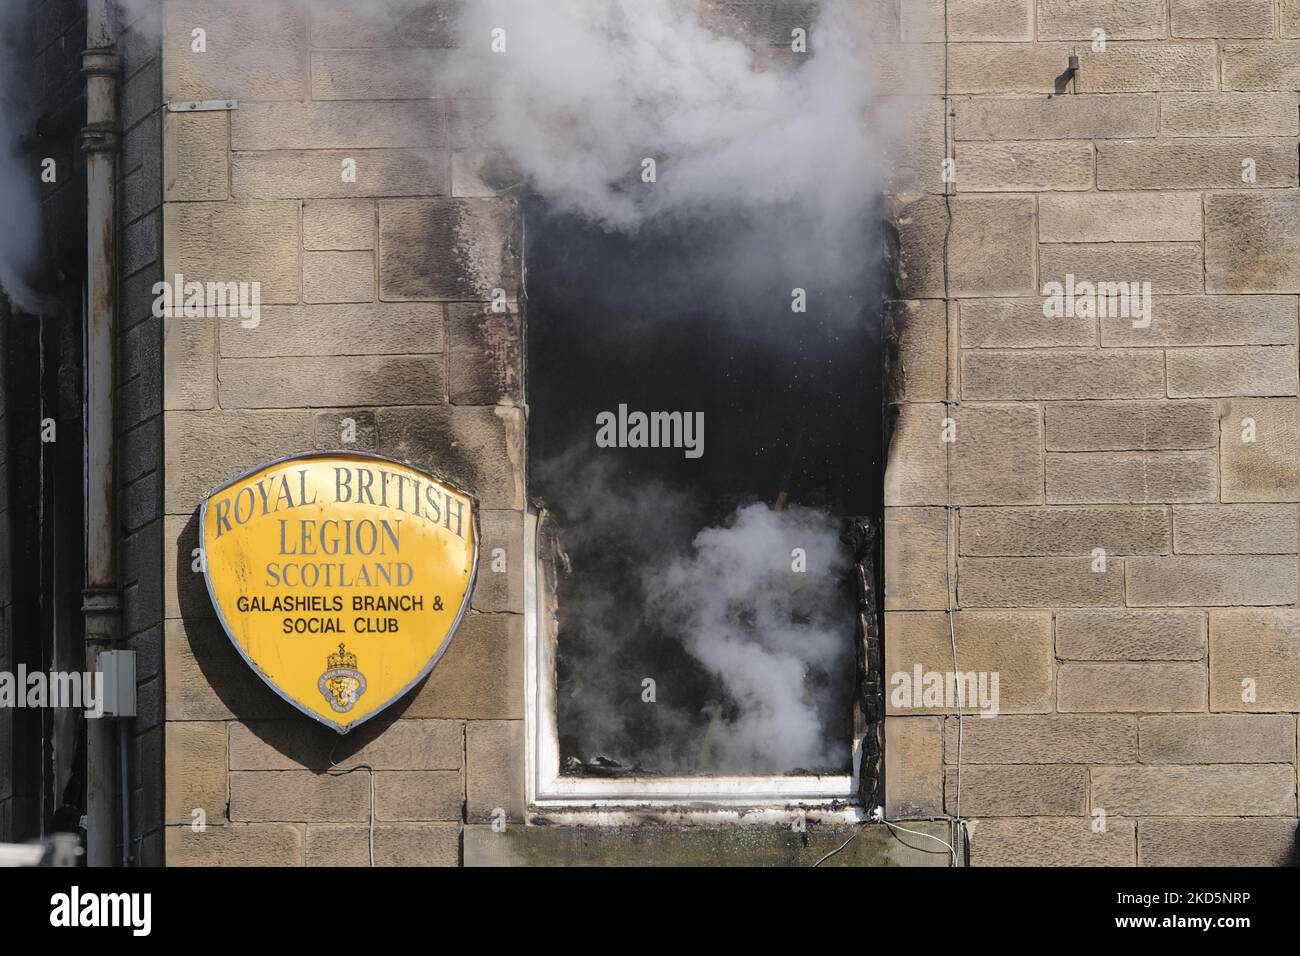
(856, 834)
(335, 771)
(878, 816)
(928, 836)
(950, 402)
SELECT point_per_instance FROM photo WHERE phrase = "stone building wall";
(374, 299)
(1156, 690)
(1120, 689)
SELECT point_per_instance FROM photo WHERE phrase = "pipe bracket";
(101, 601)
(100, 138)
(100, 61)
(201, 106)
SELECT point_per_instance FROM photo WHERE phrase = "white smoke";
(758, 601)
(769, 163)
(758, 604)
(585, 91)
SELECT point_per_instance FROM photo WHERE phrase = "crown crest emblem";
(343, 658)
(342, 683)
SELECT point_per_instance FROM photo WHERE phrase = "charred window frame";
(549, 787)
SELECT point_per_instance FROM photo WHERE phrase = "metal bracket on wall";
(201, 106)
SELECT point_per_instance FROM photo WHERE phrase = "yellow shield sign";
(340, 577)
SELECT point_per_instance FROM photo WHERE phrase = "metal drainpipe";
(101, 597)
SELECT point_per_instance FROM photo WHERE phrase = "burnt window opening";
(707, 609)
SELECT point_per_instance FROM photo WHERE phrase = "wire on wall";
(951, 401)
(337, 771)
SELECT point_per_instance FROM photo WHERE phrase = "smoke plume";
(584, 92)
(745, 627)
(768, 162)
(772, 157)
(771, 633)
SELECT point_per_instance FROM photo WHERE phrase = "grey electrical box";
(118, 668)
